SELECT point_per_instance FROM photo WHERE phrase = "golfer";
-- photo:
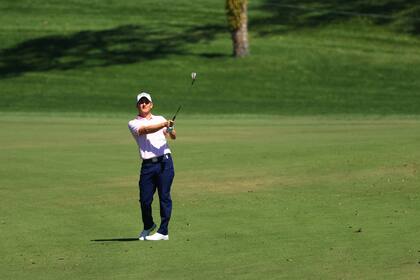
(157, 170)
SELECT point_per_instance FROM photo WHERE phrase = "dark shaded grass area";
(128, 44)
(286, 15)
(124, 44)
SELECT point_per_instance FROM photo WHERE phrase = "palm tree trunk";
(237, 14)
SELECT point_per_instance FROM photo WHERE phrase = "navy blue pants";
(156, 175)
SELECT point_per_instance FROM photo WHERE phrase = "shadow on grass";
(288, 15)
(121, 45)
(129, 44)
(116, 240)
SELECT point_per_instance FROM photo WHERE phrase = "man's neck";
(146, 116)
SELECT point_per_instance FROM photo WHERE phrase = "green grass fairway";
(254, 196)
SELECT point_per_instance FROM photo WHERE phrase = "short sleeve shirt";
(153, 144)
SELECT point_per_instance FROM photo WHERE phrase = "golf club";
(193, 77)
(179, 108)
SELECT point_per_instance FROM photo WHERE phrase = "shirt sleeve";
(134, 126)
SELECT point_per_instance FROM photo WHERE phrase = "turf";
(283, 197)
(300, 161)
(307, 57)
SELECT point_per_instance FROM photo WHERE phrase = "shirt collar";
(141, 118)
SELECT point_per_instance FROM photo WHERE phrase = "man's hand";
(170, 130)
(170, 123)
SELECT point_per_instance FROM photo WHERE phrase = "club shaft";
(179, 108)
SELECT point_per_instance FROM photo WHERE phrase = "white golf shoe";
(146, 232)
(157, 236)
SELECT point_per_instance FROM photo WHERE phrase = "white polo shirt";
(153, 144)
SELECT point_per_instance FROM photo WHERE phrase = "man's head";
(144, 103)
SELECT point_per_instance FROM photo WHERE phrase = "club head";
(193, 77)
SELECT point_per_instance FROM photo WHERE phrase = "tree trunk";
(237, 14)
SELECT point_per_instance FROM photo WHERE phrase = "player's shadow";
(125, 44)
(116, 239)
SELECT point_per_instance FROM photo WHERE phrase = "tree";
(237, 16)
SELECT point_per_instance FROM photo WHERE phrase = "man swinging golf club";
(157, 170)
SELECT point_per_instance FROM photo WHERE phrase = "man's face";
(144, 105)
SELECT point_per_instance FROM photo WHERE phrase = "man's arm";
(154, 127)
